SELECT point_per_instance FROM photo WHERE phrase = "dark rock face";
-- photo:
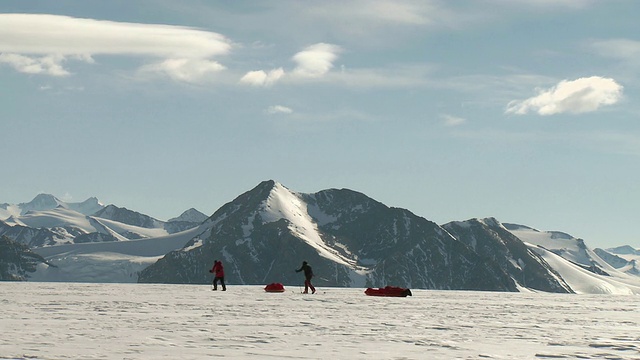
(489, 239)
(127, 216)
(348, 238)
(37, 237)
(17, 260)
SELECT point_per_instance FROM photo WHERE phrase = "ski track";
(158, 321)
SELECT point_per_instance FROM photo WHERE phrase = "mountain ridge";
(350, 238)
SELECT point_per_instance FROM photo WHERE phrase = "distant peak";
(87, 207)
(490, 221)
(515, 227)
(41, 202)
(190, 215)
(624, 250)
(92, 200)
(44, 198)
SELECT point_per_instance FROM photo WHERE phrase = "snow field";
(159, 321)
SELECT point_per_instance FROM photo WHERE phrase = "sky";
(524, 111)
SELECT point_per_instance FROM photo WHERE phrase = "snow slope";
(157, 321)
(571, 258)
(117, 261)
(66, 218)
(9, 210)
(626, 252)
(569, 247)
(283, 203)
(583, 281)
(58, 217)
(48, 202)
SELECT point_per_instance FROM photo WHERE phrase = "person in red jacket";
(218, 271)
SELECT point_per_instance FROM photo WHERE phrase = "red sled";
(388, 291)
(274, 287)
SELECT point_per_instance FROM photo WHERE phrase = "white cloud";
(313, 62)
(279, 109)
(570, 96)
(396, 76)
(377, 11)
(262, 78)
(48, 65)
(375, 18)
(39, 49)
(316, 60)
(576, 4)
(450, 120)
(187, 70)
(624, 49)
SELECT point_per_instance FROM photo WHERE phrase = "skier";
(218, 270)
(308, 274)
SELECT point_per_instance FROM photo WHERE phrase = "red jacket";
(218, 269)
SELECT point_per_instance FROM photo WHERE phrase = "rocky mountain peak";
(126, 216)
(41, 202)
(191, 215)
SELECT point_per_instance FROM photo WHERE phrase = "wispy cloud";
(29, 45)
(623, 49)
(362, 16)
(450, 120)
(547, 3)
(187, 70)
(399, 12)
(602, 141)
(570, 96)
(278, 109)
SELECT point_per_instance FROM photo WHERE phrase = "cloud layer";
(570, 96)
(40, 44)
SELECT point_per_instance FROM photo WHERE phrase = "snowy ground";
(149, 321)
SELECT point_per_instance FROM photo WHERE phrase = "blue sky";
(526, 111)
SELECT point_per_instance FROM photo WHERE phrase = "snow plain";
(159, 321)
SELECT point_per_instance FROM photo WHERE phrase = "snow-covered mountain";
(108, 262)
(624, 250)
(186, 220)
(41, 202)
(191, 215)
(90, 242)
(489, 238)
(44, 202)
(17, 261)
(582, 268)
(48, 221)
(352, 240)
(623, 258)
(129, 217)
(348, 238)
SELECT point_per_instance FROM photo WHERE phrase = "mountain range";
(49, 221)
(263, 235)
